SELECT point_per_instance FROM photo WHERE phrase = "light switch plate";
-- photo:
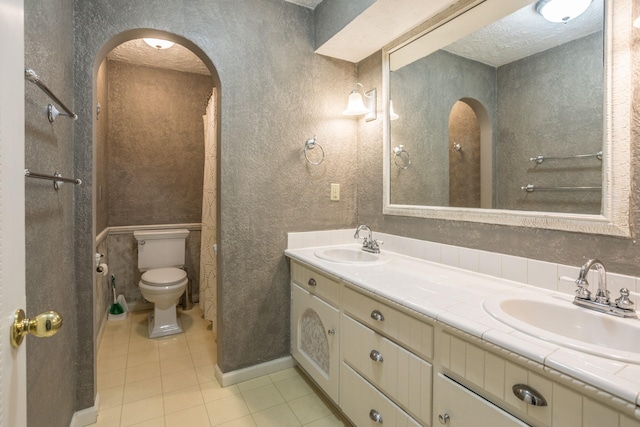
(335, 192)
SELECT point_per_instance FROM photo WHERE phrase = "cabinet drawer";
(360, 401)
(316, 283)
(401, 375)
(315, 337)
(463, 408)
(414, 334)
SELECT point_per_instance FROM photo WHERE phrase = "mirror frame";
(616, 178)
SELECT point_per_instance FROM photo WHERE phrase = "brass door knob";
(43, 325)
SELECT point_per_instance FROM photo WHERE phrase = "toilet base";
(164, 322)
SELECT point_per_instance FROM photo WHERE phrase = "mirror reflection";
(508, 117)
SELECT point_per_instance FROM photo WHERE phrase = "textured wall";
(331, 16)
(464, 164)
(423, 94)
(155, 145)
(567, 81)
(620, 255)
(50, 278)
(275, 93)
(101, 144)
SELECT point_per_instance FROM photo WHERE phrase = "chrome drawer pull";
(331, 331)
(376, 356)
(376, 315)
(375, 416)
(444, 419)
(312, 282)
(528, 395)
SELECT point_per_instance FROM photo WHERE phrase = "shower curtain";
(208, 266)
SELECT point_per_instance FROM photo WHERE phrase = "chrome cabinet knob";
(312, 282)
(376, 315)
(375, 416)
(331, 331)
(376, 356)
(444, 418)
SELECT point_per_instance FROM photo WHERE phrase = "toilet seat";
(163, 277)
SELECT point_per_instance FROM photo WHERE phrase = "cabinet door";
(456, 406)
(315, 338)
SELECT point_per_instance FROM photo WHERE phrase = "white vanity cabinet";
(315, 332)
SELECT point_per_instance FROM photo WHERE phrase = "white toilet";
(161, 255)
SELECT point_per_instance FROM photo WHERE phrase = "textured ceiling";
(525, 33)
(311, 4)
(176, 57)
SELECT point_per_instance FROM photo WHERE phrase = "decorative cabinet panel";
(455, 406)
(401, 375)
(315, 338)
(366, 406)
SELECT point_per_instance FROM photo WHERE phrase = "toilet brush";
(116, 308)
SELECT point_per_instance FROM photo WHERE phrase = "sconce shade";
(355, 106)
(562, 10)
(158, 43)
(392, 114)
(636, 22)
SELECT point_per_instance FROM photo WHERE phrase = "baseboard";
(86, 416)
(234, 377)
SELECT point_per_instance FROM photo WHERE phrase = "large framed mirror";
(495, 114)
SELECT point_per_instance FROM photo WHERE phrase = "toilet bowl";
(163, 287)
(161, 256)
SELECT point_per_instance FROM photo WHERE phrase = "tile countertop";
(454, 296)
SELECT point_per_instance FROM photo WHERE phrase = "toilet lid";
(164, 276)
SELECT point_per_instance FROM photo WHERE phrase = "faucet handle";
(582, 292)
(624, 302)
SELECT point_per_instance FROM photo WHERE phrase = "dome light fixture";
(158, 43)
(561, 11)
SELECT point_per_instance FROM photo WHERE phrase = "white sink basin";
(557, 320)
(351, 256)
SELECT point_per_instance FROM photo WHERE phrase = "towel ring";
(310, 144)
(401, 161)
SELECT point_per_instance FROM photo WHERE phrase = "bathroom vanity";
(400, 341)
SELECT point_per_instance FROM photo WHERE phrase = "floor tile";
(156, 422)
(192, 417)
(185, 398)
(310, 408)
(204, 344)
(179, 380)
(142, 358)
(109, 417)
(142, 390)
(142, 345)
(254, 383)
(172, 341)
(204, 357)
(285, 374)
(142, 372)
(213, 391)
(278, 416)
(110, 379)
(177, 364)
(142, 410)
(171, 352)
(294, 388)
(332, 420)
(226, 409)
(206, 373)
(111, 397)
(241, 422)
(112, 364)
(262, 398)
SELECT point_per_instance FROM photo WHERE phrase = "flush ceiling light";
(562, 10)
(356, 105)
(158, 43)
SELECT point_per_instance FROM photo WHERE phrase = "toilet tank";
(161, 248)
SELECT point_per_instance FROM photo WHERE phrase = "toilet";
(161, 256)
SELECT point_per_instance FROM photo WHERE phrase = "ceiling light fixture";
(158, 43)
(562, 11)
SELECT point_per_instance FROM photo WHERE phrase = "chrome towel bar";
(31, 75)
(539, 159)
(530, 188)
(57, 178)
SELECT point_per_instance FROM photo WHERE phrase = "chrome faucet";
(621, 307)
(369, 244)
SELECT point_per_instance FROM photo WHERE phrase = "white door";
(13, 374)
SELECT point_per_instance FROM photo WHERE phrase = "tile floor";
(170, 382)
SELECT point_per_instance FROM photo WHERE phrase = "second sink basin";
(557, 320)
(351, 256)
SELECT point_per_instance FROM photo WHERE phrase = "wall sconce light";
(636, 22)
(561, 10)
(356, 106)
(392, 114)
(158, 43)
